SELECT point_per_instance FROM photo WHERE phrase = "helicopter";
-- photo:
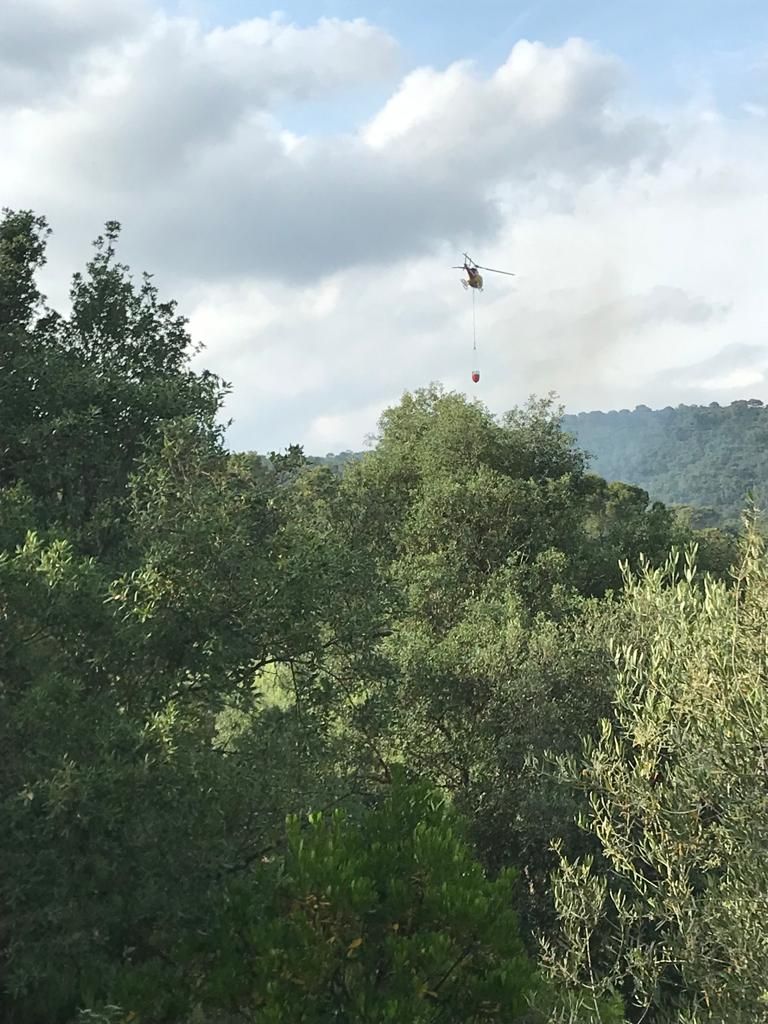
(474, 278)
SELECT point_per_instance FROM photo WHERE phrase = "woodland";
(710, 458)
(704, 461)
(464, 733)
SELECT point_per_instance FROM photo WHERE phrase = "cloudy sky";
(303, 180)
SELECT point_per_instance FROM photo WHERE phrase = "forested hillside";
(709, 457)
(459, 735)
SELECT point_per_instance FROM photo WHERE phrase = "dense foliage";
(289, 744)
(678, 797)
(708, 457)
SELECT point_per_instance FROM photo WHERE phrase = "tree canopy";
(450, 732)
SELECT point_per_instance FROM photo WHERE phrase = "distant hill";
(704, 456)
(337, 461)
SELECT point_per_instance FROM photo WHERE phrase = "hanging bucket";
(475, 376)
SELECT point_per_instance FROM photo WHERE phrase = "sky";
(302, 181)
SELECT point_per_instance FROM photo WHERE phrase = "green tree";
(22, 253)
(83, 396)
(142, 765)
(493, 536)
(676, 784)
(622, 524)
(375, 916)
(139, 607)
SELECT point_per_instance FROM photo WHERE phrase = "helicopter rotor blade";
(492, 271)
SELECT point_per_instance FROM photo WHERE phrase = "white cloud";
(543, 111)
(316, 266)
(737, 379)
(160, 103)
(44, 44)
(178, 133)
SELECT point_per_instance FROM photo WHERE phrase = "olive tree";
(677, 783)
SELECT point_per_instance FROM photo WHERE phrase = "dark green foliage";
(197, 645)
(709, 457)
(495, 538)
(81, 397)
(120, 810)
(379, 916)
(22, 252)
